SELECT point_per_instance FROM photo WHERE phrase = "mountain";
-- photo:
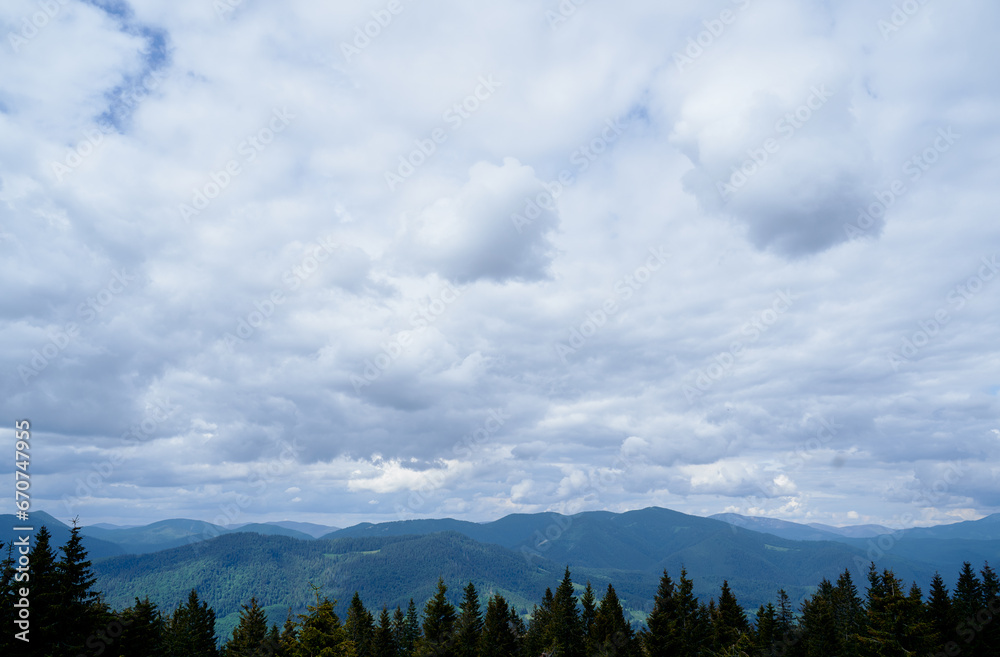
(96, 547)
(310, 528)
(782, 528)
(984, 529)
(854, 531)
(167, 534)
(280, 571)
(156, 536)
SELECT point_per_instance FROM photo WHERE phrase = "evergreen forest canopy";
(69, 618)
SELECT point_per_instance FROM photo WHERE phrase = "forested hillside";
(890, 618)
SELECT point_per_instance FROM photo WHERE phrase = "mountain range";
(518, 555)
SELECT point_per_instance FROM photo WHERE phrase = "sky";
(382, 260)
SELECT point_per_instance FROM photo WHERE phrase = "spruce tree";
(537, 639)
(360, 626)
(663, 636)
(611, 633)
(143, 630)
(967, 602)
(318, 632)
(764, 631)
(469, 626)
(499, 637)
(439, 625)
(384, 641)
(250, 636)
(588, 609)
(190, 632)
(939, 614)
(566, 630)
(48, 626)
(730, 622)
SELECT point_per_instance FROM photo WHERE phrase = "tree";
(939, 613)
(611, 634)
(319, 632)
(588, 610)
(470, 624)
(384, 641)
(764, 631)
(439, 625)
(499, 637)
(537, 639)
(566, 629)
(143, 630)
(250, 636)
(406, 629)
(360, 626)
(663, 636)
(967, 602)
(730, 621)
(47, 628)
(191, 630)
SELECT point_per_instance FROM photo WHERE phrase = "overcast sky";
(393, 259)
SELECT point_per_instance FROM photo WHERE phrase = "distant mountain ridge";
(518, 555)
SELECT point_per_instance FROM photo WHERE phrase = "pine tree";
(288, 640)
(384, 642)
(939, 613)
(143, 630)
(663, 637)
(537, 639)
(848, 615)
(7, 599)
(47, 621)
(470, 624)
(319, 632)
(588, 610)
(967, 601)
(360, 627)
(611, 634)
(730, 622)
(406, 629)
(566, 630)
(991, 604)
(190, 631)
(764, 631)
(819, 623)
(439, 625)
(499, 637)
(250, 636)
